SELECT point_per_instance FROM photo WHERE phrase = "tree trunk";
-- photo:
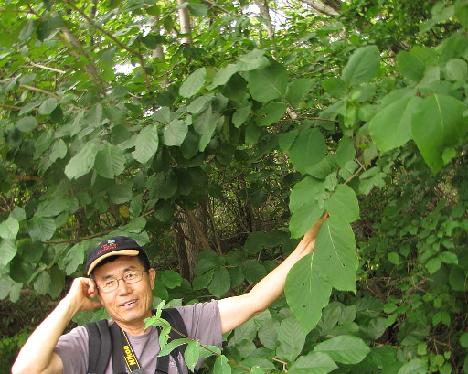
(322, 8)
(265, 14)
(184, 22)
(158, 51)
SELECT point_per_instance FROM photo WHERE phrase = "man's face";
(129, 303)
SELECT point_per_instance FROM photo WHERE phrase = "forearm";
(36, 354)
(272, 285)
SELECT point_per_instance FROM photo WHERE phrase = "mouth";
(129, 303)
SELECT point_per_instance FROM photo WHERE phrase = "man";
(121, 279)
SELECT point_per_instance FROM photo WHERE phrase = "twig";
(284, 363)
(35, 89)
(46, 67)
(8, 106)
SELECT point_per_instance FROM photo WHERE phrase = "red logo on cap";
(110, 245)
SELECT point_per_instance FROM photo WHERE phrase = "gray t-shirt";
(202, 321)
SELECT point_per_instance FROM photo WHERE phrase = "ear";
(152, 277)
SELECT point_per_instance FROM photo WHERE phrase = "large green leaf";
(146, 144)
(193, 83)
(297, 89)
(7, 250)
(335, 254)
(192, 352)
(269, 83)
(175, 132)
(48, 106)
(110, 161)
(54, 205)
(26, 124)
(307, 150)
(391, 126)
(313, 363)
(291, 337)
(438, 124)
(343, 203)
(221, 366)
(362, 66)
(344, 349)
(9, 228)
(220, 282)
(306, 205)
(41, 228)
(81, 163)
(306, 292)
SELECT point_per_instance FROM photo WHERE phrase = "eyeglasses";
(129, 277)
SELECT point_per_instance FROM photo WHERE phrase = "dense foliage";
(217, 147)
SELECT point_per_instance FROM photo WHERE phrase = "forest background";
(215, 133)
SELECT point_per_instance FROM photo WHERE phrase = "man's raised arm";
(37, 355)
(236, 310)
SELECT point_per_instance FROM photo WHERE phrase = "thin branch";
(35, 89)
(10, 107)
(46, 67)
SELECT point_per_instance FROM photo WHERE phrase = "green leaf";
(171, 279)
(410, 66)
(313, 363)
(306, 293)
(344, 349)
(48, 106)
(269, 83)
(464, 340)
(41, 229)
(415, 366)
(200, 103)
(110, 161)
(8, 251)
(345, 151)
(175, 132)
(343, 203)
(256, 370)
(394, 258)
(241, 115)
(192, 352)
(169, 347)
(306, 205)
(335, 87)
(253, 270)
(42, 283)
(291, 337)
(220, 283)
(121, 193)
(75, 256)
(254, 59)
(223, 75)
(81, 163)
(26, 124)
(9, 228)
(271, 113)
(146, 144)
(448, 257)
(391, 126)
(335, 254)
(53, 206)
(197, 9)
(307, 150)
(438, 123)
(193, 83)
(297, 89)
(456, 70)
(221, 365)
(362, 66)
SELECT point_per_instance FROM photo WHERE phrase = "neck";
(134, 328)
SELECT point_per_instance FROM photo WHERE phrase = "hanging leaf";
(48, 106)
(175, 132)
(344, 349)
(193, 83)
(269, 83)
(307, 150)
(192, 352)
(110, 161)
(26, 124)
(146, 144)
(313, 363)
(9, 228)
(335, 254)
(362, 66)
(306, 293)
(221, 366)
(343, 203)
(81, 163)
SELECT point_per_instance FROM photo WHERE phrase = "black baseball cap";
(116, 246)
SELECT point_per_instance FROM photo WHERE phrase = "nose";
(123, 287)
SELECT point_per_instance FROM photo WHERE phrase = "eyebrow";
(110, 276)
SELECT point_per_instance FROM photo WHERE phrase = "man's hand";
(81, 294)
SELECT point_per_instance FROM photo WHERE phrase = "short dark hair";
(142, 257)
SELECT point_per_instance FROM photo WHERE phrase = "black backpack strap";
(118, 366)
(174, 318)
(99, 346)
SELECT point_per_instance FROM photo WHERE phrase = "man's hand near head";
(37, 355)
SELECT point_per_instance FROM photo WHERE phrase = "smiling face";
(129, 304)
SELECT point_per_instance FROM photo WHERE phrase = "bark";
(92, 14)
(184, 22)
(191, 237)
(265, 14)
(322, 8)
(158, 52)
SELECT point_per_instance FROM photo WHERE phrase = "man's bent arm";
(37, 355)
(236, 310)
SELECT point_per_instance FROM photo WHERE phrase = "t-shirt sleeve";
(203, 322)
(73, 350)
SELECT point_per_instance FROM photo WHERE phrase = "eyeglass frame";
(140, 272)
